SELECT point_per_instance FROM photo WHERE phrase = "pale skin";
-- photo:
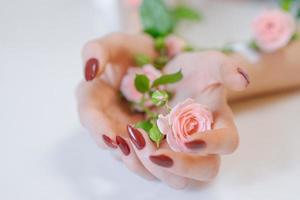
(274, 72)
(207, 77)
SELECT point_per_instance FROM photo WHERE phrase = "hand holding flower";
(205, 77)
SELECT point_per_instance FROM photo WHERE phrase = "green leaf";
(156, 18)
(286, 4)
(254, 46)
(155, 134)
(141, 60)
(159, 98)
(145, 125)
(228, 49)
(168, 78)
(183, 12)
(188, 48)
(142, 83)
(295, 37)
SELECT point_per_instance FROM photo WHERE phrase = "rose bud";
(159, 98)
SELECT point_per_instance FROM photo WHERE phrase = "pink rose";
(184, 120)
(175, 45)
(134, 3)
(273, 29)
(127, 85)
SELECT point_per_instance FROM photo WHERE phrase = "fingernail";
(91, 69)
(245, 75)
(162, 160)
(196, 144)
(109, 142)
(122, 144)
(136, 137)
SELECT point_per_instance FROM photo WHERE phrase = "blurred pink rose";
(127, 85)
(184, 120)
(175, 45)
(134, 3)
(273, 29)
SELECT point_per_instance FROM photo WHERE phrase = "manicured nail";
(245, 75)
(162, 160)
(91, 69)
(196, 144)
(122, 144)
(109, 142)
(136, 137)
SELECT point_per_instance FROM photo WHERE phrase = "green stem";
(149, 113)
(168, 108)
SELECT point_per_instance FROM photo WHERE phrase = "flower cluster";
(144, 85)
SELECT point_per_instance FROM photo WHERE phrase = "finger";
(90, 115)
(223, 139)
(144, 148)
(233, 75)
(201, 168)
(130, 159)
(114, 48)
(94, 113)
(99, 125)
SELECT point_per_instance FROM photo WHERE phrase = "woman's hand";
(206, 77)
(104, 115)
(101, 110)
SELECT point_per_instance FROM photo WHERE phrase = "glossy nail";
(196, 144)
(122, 144)
(136, 137)
(162, 160)
(109, 142)
(91, 69)
(245, 75)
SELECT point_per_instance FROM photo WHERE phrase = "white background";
(46, 154)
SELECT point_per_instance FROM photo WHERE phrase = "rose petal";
(163, 124)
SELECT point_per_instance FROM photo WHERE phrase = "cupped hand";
(102, 112)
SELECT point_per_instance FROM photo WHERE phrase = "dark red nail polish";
(109, 142)
(245, 75)
(123, 145)
(162, 160)
(91, 69)
(196, 144)
(136, 137)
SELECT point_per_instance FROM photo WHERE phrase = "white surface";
(45, 154)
